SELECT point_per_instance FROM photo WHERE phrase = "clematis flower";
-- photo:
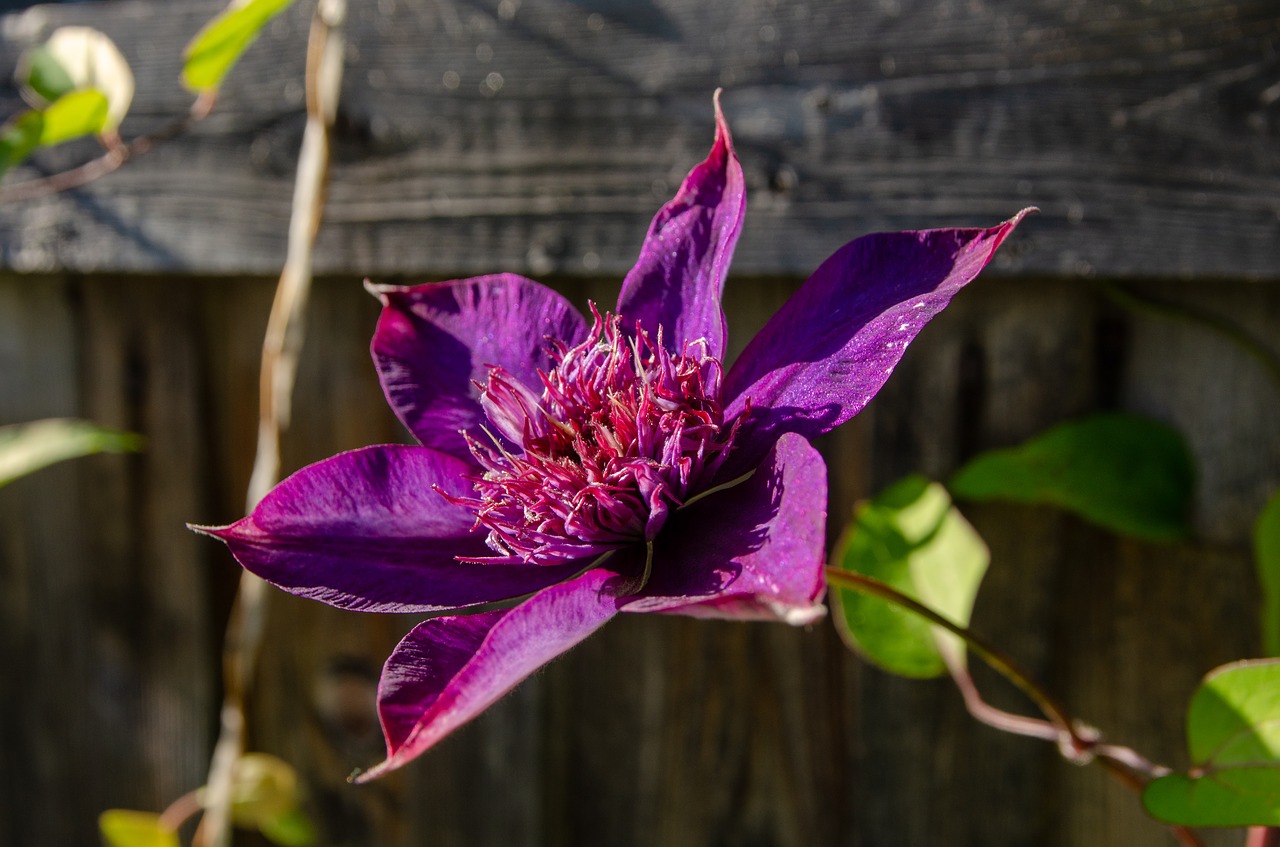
(569, 470)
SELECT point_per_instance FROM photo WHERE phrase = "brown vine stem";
(1251, 346)
(280, 348)
(1077, 742)
(1263, 836)
(117, 153)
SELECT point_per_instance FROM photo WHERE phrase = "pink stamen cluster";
(622, 432)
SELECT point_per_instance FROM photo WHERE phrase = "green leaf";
(1233, 735)
(125, 828)
(1127, 473)
(42, 76)
(30, 446)
(911, 537)
(291, 829)
(77, 58)
(214, 50)
(1266, 551)
(19, 137)
(72, 115)
(263, 788)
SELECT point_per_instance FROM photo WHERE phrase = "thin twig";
(1251, 346)
(117, 153)
(1077, 742)
(180, 811)
(280, 349)
(996, 658)
(1262, 836)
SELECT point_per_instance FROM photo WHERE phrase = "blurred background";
(540, 136)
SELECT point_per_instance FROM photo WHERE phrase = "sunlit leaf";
(74, 115)
(1233, 735)
(19, 137)
(911, 537)
(290, 829)
(125, 828)
(76, 58)
(1266, 551)
(1127, 473)
(30, 446)
(214, 50)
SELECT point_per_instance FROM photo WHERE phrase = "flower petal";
(366, 531)
(448, 670)
(827, 352)
(754, 551)
(435, 341)
(678, 279)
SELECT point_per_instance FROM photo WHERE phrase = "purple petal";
(827, 352)
(434, 341)
(677, 281)
(366, 531)
(448, 670)
(756, 550)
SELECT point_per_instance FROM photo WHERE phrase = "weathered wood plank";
(541, 135)
(106, 635)
(656, 730)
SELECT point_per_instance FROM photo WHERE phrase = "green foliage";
(912, 538)
(214, 50)
(289, 829)
(1233, 735)
(1123, 472)
(1266, 551)
(73, 115)
(126, 828)
(40, 71)
(19, 137)
(28, 447)
(74, 59)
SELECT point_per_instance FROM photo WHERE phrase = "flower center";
(622, 432)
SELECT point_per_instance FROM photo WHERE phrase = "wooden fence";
(539, 136)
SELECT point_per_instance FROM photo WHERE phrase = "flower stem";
(280, 350)
(998, 660)
(180, 811)
(1077, 742)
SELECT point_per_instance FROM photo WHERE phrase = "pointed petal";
(366, 531)
(754, 551)
(827, 352)
(434, 341)
(448, 670)
(679, 277)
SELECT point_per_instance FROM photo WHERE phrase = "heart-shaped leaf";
(1233, 735)
(126, 828)
(30, 446)
(1127, 473)
(215, 49)
(913, 539)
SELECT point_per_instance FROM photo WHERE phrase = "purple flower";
(571, 470)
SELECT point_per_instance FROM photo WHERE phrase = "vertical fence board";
(657, 730)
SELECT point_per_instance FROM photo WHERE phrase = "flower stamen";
(622, 430)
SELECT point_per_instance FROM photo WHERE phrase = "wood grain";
(656, 730)
(541, 135)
